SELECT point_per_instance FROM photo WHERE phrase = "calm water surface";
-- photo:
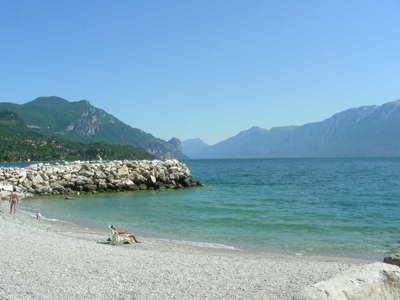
(312, 206)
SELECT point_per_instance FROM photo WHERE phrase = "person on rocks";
(121, 231)
(14, 199)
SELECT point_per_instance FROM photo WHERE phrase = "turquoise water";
(312, 206)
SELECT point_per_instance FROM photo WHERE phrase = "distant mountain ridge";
(82, 122)
(193, 146)
(364, 131)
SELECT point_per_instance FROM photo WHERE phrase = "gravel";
(42, 260)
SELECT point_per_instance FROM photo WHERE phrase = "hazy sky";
(208, 68)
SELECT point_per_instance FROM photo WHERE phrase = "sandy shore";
(42, 260)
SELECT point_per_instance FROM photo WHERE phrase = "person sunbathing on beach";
(13, 201)
(121, 231)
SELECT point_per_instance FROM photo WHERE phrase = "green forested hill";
(80, 121)
(19, 143)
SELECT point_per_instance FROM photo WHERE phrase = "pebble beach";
(52, 260)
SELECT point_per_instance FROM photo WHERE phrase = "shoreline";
(66, 227)
(243, 248)
(54, 260)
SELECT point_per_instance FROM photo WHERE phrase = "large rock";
(393, 259)
(86, 173)
(7, 188)
(37, 180)
(123, 171)
(67, 176)
(102, 186)
(58, 188)
(90, 188)
(373, 281)
(42, 189)
(153, 180)
(27, 183)
(99, 174)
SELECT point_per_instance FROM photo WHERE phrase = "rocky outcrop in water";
(96, 176)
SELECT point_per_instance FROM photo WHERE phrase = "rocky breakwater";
(95, 176)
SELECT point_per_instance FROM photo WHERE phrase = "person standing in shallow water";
(13, 201)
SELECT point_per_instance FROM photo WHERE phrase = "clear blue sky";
(208, 68)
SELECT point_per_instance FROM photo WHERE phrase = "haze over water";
(337, 206)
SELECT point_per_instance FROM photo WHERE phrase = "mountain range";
(20, 143)
(365, 131)
(84, 123)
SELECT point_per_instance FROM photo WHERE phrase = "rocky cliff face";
(83, 122)
(88, 124)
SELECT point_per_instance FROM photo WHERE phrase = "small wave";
(202, 244)
(32, 213)
(56, 220)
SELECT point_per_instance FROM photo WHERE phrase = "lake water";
(310, 206)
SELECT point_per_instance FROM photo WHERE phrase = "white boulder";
(373, 281)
